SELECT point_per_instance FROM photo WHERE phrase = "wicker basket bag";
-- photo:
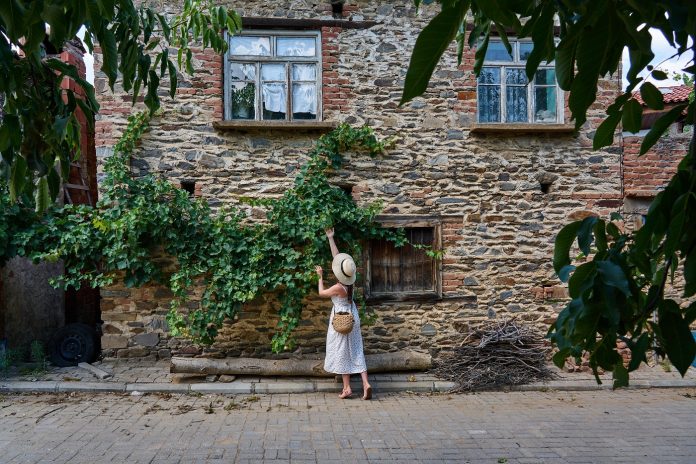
(343, 322)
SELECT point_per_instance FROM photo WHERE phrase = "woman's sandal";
(343, 394)
(368, 393)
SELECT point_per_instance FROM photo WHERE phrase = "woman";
(344, 353)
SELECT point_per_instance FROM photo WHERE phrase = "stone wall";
(500, 198)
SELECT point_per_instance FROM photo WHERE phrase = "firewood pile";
(494, 355)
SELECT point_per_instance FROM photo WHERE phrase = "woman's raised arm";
(332, 244)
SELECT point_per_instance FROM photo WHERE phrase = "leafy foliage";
(619, 282)
(221, 254)
(40, 128)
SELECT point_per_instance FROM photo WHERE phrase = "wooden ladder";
(82, 186)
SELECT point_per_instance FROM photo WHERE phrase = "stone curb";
(287, 387)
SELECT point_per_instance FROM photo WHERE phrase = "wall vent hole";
(337, 8)
(545, 187)
(189, 186)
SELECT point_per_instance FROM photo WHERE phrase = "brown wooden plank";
(76, 186)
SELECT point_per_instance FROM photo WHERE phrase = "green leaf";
(564, 240)
(632, 116)
(659, 127)
(53, 183)
(18, 177)
(559, 358)
(613, 275)
(565, 64)
(605, 132)
(620, 376)
(600, 235)
(590, 55)
(565, 272)
(638, 350)
(652, 96)
(542, 35)
(582, 279)
(690, 274)
(659, 75)
(690, 313)
(679, 343)
(172, 78)
(585, 235)
(430, 45)
(42, 195)
(107, 40)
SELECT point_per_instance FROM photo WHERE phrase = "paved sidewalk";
(129, 376)
(626, 426)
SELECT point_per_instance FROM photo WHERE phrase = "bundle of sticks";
(495, 355)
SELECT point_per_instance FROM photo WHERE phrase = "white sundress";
(344, 353)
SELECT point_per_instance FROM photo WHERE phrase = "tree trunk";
(384, 362)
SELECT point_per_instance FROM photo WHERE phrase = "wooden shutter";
(405, 269)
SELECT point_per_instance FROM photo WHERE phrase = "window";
(405, 272)
(273, 76)
(505, 95)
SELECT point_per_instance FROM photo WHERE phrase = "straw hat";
(344, 268)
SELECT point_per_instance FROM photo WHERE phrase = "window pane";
(489, 103)
(489, 76)
(516, 103)
(274, 100)
(243, 97)
(515, 76)
(296, 46)
(242, 71)
(545, 104)
(304, 101)
(545, 77)
(525, 50)
(496, 52)
(273, 72)
(245, 45)
(304, 72)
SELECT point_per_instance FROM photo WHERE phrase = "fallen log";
(383, 362)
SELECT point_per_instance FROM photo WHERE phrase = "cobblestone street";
(638, 426)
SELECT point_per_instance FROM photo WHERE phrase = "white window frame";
(259, 60)
(517, 63)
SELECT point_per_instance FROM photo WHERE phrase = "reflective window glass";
(296, 46)
(496, 52)
(250, 46)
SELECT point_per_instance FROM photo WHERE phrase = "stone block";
(109, 342)
(147, 339)
(138, 352)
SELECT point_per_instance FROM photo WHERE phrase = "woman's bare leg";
(367, 388)
(346, 387)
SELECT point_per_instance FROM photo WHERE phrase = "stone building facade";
(492, 195)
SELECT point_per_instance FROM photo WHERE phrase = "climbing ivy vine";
(146, 230)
